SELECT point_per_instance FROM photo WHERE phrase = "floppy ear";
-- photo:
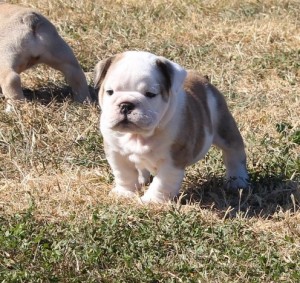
(173, 73)
(100, 71)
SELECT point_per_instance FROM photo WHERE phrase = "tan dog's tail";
(33, 21)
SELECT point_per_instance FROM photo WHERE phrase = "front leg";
(165, 185)
(126, 175)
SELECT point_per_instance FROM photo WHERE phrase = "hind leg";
(229, 140)
(59, 56)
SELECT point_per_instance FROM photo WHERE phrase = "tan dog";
(27, 38)
(156, 119)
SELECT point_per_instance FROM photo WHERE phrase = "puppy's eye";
(110, 92)
(150, 94)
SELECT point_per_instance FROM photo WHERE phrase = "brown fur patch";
(190, 139)
(101, 71)
(166, 70)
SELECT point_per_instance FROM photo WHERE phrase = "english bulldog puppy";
(27, 38)
(157, 119)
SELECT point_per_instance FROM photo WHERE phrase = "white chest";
(149, 162)
(145, 154)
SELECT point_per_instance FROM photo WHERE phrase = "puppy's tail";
(33, 20)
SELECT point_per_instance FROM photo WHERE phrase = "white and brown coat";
(158, 118)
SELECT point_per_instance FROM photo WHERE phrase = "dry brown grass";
(249, 49)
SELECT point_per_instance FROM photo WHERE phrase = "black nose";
(126, 107)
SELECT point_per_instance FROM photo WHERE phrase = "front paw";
(148, 198)
(121, 192)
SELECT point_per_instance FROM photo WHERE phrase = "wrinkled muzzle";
(129, 112)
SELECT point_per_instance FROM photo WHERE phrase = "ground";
(55, 180)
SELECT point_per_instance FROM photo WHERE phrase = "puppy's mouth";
(125, 125)
(132, 122)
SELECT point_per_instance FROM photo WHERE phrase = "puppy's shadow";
(263, 198)
(53, 92)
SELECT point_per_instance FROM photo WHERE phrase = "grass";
(57, 223)
(122, 244)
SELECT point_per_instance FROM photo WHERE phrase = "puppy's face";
(135, 90)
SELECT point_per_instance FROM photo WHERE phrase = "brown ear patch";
(167, 72)
(101, 71)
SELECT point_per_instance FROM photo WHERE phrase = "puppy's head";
(135, 90)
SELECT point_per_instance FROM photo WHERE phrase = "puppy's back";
(13, 16)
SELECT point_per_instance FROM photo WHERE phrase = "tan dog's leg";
(59, 56)
(11, 84)
(11, 87)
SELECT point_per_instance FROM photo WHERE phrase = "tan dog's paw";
(9, 108)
